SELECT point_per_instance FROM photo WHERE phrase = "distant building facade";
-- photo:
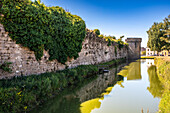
(155, 53)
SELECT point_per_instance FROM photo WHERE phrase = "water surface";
(127, 90)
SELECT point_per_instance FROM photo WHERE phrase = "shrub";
(97, 31)
(5, 67)
(39, 27)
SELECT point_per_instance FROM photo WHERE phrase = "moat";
(127, 88)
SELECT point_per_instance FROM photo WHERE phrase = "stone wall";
(134, 48)
(94, 51)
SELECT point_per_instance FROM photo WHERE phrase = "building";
(134, 48)
(151, 53)
(165, 53)
(155, 53)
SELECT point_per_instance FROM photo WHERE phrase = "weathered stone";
(134, 48)
(94, 51)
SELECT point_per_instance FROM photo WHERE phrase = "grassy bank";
(24, 93)
(147, 57)
(163, 71)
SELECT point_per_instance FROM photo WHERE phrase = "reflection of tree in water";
(84, 97)
(132, 72)
(156, 87)
(60, 104)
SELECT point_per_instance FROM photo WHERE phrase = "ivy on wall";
(39, 27)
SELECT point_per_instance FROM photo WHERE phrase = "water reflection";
(133, 71)
(149, 62)
(75, 99)
(156, 87)
(111, 93)
(130, 94)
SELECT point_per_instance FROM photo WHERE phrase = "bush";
(39, 27)
(143, 53)
(97, 31)
(5, 67)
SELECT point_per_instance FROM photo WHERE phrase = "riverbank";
(147, 57)
(163, 71)
(21, 94)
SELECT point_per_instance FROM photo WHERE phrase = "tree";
(166, 36)
(159, 35)
(154, 34)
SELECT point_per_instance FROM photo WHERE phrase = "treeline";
(159, 35)
(39, 27)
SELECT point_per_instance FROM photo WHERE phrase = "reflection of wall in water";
(132, 71)
(98, 86)
(70, 101)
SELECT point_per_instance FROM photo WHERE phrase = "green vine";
(115, 51)
(5, 67)
(39, 27)
(120, 44)
(97, 31)
(109, 42)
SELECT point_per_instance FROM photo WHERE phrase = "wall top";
(133, 40)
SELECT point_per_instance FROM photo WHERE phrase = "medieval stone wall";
(94, 51)
(134, 48)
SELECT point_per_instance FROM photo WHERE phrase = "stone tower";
(134, 48)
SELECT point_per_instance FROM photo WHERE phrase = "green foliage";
(5, 67)
(114, 62)
(109, 42)
(154, 34)
(112, 38)
(163, 71)
(97, 31)
(143, 52)
(164, 105)
(147, 57)
(101, 36)
(115, 51)
(120, 42)
(23, 93)
(158, 35)
(156, 87)
(39, 27)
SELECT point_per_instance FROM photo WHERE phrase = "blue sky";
(131, 18)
